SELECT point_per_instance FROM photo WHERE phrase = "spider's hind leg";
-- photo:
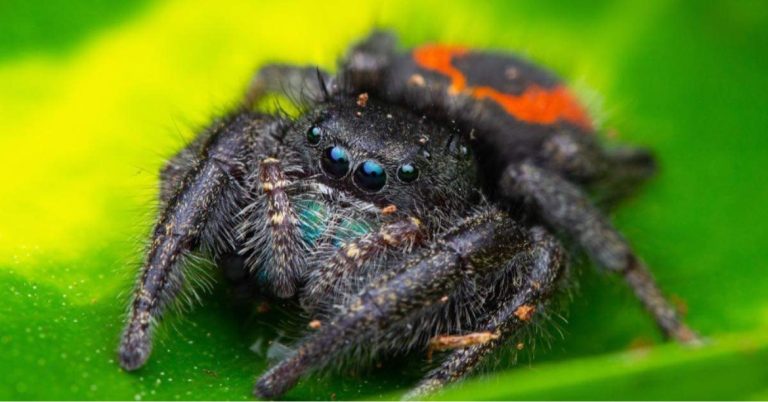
(365, 65)
(566, 208)
(628, 168)
(514, 311)
(610, 173)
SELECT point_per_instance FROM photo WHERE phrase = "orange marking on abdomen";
(439, 58)
(539, 105)
(535, 105)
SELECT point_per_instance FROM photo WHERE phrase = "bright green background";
(94, 94)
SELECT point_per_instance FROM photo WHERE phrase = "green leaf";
(91, 101)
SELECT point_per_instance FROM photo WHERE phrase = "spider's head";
(385, 154)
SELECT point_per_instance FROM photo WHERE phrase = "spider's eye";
(408, 172)
(335, 162)
(314, 134)
(370, 176)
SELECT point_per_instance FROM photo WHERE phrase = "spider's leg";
(462, 252)
(277, 248)
(365, 65)
(628, 167)
(582, 159)
(352, 256)
(185, 223)
(178, 167)
(631, 163)
(566, 208)
(301, 84)
(514, 312)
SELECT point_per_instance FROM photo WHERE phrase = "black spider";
(376, 216)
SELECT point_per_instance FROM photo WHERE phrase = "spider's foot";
(424, 389)
(134, 352)
(688, 337)
(279, 379)
(264, 390)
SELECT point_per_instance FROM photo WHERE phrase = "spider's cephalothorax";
(408, 207)
(344, 184)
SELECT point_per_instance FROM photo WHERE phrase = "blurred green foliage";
(93, 94)
(56, 26)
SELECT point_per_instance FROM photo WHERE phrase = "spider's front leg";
(199, 215)
(397, 294)
(547, 260)
(566, 208)
(177, 168)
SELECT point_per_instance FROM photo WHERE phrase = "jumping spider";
(410, 206)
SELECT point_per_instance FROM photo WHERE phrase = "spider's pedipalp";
(515, 311)
(566, 208)
(278, 248)
(395, 295)
(347, 262)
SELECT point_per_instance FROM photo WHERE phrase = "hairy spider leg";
(395, 295)
(175, 234)
(177, 168)
(547, 261)
(565, 207)
(365, 64)
(611, 174)
(302, 85)
(181, 228)
(628, 168)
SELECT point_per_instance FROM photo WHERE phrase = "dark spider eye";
(335, 162)
(314, 134)
(370, 176)
(407, 172)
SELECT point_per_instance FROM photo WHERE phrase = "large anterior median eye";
(370, 176)
(335, 162)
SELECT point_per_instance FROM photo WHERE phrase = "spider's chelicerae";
(415, 204)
